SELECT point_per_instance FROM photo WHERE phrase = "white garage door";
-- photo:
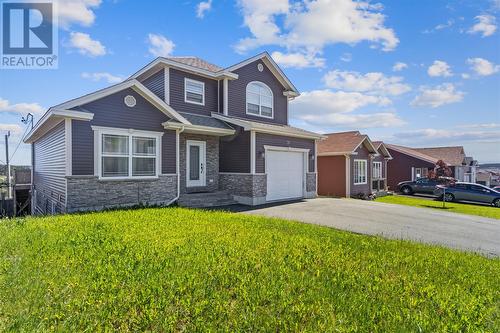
(285, 175)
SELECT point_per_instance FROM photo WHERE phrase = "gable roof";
(412, 152)
(198, 63)
(344, 143)
(380, 146)
(450, 155)
(60, 111)
(204, 68)
(273, 66)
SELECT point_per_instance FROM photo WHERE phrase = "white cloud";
(98, 76)
(21, 108)
(399, 66)
(202, 8)
(346, 57)
(13, 128)
(86, 45)
(486, 125)
(465, 76)
(320, 108)
(486, 25)
(442, 136)
(297, 60)
(482, 66)
(440, 95)
(373, 83)
(309, 26)
(160, 46)
(439, 68)
(77, 11)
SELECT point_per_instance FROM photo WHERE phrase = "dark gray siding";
(234, 153)
(363, 154)
(237, 93)
(82, 147)
(280, 141)
(156, 83)
(49, 174)
(177, 93)
(111, 111)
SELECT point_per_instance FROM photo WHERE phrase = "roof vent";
(130, 101)
(260, 67)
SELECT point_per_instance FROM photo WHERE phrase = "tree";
(441, 171)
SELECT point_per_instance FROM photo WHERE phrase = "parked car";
(469, 192)
(421, 185)
(496, 188)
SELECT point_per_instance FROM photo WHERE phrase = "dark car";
(469, 192)
(421, 185)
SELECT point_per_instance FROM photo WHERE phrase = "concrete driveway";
(465, 232)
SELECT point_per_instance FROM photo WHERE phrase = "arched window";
(259, 100)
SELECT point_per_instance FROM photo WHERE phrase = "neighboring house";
(484, 178)
(349, 164)
(178, 126)
(412, 163)
(379, 167)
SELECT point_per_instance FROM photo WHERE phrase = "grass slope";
(176, 269)
(463, 208)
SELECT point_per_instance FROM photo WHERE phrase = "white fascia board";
(132, 83)
(198, 129)
(55, 116)
(273, 66)
(250, 126)
(158, 102)
(344, 153)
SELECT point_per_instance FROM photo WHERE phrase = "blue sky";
(417, 73)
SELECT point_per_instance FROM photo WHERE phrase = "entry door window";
(195, 164)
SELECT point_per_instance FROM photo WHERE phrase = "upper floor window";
(259, 100)
(194, 91)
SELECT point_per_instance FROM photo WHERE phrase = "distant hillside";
(489, 166)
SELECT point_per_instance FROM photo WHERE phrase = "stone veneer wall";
(212, 162)
(246, 188)
(86, 193)
(310, 185)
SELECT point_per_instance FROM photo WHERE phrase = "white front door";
(195, 163)
(285, 174)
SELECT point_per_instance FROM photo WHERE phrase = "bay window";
(360, 172)
(125, 153)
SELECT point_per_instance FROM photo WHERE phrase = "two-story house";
(178, 128)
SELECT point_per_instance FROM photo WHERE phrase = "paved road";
(471, 233)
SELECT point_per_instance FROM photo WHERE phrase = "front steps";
(206, 199)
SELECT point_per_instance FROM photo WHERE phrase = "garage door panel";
(285, 175)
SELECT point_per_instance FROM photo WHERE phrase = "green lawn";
(175, 269)
(470, 209)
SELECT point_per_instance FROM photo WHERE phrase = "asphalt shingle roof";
(343, 142)
(197, 62)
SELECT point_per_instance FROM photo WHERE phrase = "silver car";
(469, 192)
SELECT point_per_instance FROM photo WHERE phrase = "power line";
(19, 143)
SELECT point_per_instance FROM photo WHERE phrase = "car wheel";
(496, 203)
(448, 197)
(406, 190)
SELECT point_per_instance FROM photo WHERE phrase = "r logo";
(27, 28)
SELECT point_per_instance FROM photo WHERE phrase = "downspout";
(347, 175)
(177, 159)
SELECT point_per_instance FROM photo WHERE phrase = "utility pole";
(9, 190)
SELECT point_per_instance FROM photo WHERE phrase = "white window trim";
(260, 112)
(100, 131)
(186, 80)
(379, 176)
(366, 172)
